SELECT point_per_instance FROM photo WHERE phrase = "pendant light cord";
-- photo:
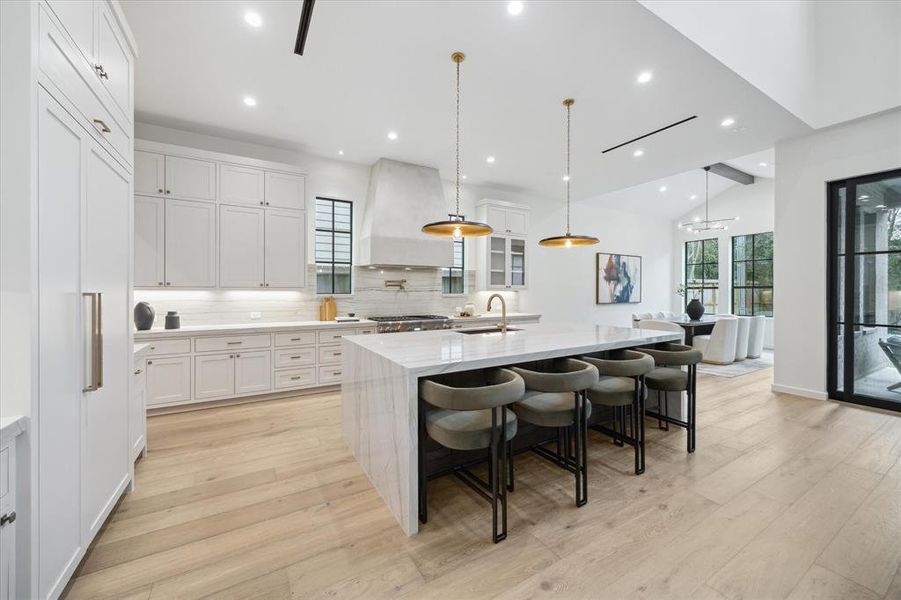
(458, 138)
(568, 116)
(707, 194)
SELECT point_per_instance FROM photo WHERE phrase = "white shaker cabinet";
(150, 173)
(285, 191)
(168, 380)
(285, 248)
(150, 239)
(241, 185)
(241, 241)
(507, 220)
(190, 243)
(502, 258)
(138, 408)
(114, 61)
(190, 178)
(253, 372)
(77, 16)
(214, 376)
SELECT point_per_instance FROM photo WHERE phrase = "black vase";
(695, 309)
(144, 315)
(173, 321)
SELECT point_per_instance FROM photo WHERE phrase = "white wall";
(804, 166)
(754, 206)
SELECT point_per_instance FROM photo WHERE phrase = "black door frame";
(847, 393)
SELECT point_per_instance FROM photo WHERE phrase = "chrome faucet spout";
(503, 324)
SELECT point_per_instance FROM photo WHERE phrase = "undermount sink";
(483, 330)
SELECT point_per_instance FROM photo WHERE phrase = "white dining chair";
(719, 347)
(741, 338)
(755, 337)
(659, 325)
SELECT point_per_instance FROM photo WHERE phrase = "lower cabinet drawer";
(160, 347)
(330, 355)
(330, 374)
(295, 357)
(295, 378)
(295, 338)
(333, 336)
(232, 342)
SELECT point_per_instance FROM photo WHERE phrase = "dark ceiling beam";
(306, 15)
(724, 170)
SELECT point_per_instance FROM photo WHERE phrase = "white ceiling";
(375, 66)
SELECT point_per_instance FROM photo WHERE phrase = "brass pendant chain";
(568, 103)
(458, 60)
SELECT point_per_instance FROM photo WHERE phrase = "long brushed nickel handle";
(94, 348)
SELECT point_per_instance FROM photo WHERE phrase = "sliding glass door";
(865, 290)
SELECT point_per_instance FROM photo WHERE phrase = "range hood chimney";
(401, 198)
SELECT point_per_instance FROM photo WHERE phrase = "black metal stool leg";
(423, 500)
(692, 406)
(641, 394)
(511, 481)
(500, 475)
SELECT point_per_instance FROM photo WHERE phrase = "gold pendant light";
(568, 240)
(456, 225)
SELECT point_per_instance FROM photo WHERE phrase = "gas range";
(391, 324)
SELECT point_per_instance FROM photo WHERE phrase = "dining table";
(693, 327)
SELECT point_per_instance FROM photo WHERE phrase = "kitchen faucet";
(503, 324)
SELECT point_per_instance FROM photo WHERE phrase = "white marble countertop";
(140, 348)
(249, 328)
(495, 316)
(10, 427)
(446, 351)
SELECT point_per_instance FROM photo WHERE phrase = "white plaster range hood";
(402, 198)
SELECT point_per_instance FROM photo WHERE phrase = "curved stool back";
(545, 404)
(658, 325)
(668, 376)
(460, 420)
(621, 386)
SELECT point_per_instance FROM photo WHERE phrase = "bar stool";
(668, 376)
(621, 386)
(469, 418)
(555, 397)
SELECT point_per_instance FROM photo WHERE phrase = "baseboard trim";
(797, 391)
(191, 406)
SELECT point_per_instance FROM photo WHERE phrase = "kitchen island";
(379, 390)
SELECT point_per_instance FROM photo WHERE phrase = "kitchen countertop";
(139, 348)
(10, 427)
(446, 351)
(296, 325)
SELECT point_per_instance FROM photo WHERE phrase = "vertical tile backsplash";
(421, 296)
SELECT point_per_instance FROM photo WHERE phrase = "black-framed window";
(752, 274)
(702, 272)
(334, 245)
(452, 276)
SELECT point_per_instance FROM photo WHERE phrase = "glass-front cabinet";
(864, 326)
(504, 261)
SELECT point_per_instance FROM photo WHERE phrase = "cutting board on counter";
(328, 309)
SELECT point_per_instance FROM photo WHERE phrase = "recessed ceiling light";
(693, 197)
(728, 122)
(250, 101)
(340, 152)
(566, 178)
(514, 8)
(662, 188)
(392, 135)
(762, 164)
(463, 176)
(645, 76)
(697, 219)
(490, 159)
(638, 153)
(253, 19)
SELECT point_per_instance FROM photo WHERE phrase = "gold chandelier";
(568, 240)
(456, 225)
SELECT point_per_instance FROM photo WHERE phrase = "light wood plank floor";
(784, 498)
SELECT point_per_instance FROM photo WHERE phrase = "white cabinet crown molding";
(220, 157)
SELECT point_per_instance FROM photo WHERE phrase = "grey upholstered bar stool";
(555, 397)
(621, 387)
(470, 418)
(669, 376)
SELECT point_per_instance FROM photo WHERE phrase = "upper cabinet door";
(150, 173)
(190, 244)
(241, 231)
(517, 222)
(114, 60)
(497, 219)
(77, 16)
(190, 178)
(241, 185)
(285, 248)
(150, 223)
(285, 191)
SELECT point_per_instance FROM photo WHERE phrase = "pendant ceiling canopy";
(568, 240)
(456, 226)
(699, 225)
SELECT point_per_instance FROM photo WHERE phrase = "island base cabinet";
(253, 372)
(168, 380)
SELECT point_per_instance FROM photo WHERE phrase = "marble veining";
(379, 391)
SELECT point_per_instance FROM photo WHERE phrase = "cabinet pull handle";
(295, 378)
(231, 355)
(167, 283)
(159, 283)
(233, 343)
(138, 372)
(160, 190)
(295, 357)
(295, 339)
(237, 356)
(336, 372)
(8, 518)
(101, 72)
(94, 371)
(103, 126)
(168, 192)
(336, 354)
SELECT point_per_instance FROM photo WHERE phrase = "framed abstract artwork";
(618, 278)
